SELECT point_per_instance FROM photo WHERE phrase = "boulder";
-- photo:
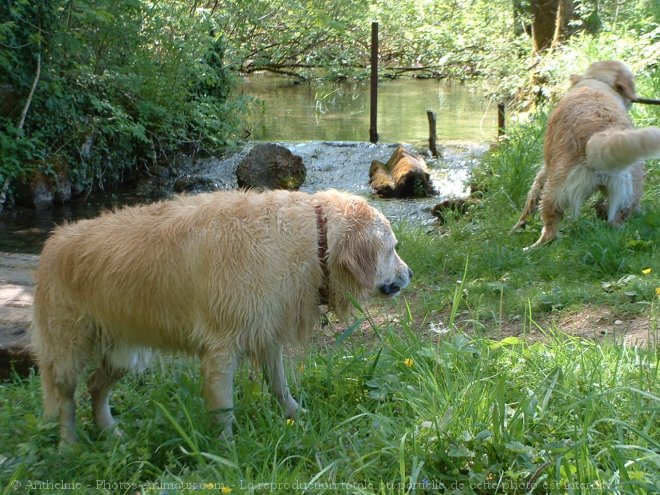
(37, 193)
(404, 175)
(41, 191)
(15, 355)
(271, 166)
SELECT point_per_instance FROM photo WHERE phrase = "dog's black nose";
(410, 273)
(389, 289)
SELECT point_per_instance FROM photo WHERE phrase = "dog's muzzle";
(395, 287)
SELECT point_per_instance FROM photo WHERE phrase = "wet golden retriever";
(591, 145)
(219, 275)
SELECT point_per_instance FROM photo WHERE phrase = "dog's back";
(581, 114)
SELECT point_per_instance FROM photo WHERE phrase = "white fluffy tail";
(615, 150)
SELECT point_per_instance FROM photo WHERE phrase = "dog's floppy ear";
(358, 248)
(625, 86)
(358, 255)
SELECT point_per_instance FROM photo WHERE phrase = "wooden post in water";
(433, 137)
(501, 124)
(373, 125)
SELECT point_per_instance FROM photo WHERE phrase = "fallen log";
(404, 175)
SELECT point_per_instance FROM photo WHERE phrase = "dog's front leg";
(274, 371)
(218, 373)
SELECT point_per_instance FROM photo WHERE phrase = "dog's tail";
(614, 150)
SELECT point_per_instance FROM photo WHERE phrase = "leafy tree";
(123, 85)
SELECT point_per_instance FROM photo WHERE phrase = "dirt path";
(16, 286)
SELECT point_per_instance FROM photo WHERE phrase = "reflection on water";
(24, 230)
(340, 112)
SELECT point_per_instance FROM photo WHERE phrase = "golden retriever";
(591, 145)
(219, 275)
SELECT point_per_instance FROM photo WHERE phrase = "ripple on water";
(345, 166)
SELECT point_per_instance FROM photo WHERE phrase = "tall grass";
(408, 415)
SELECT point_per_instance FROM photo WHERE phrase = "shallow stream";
(327, 125)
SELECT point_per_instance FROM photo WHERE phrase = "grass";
(467, 384)
(407, 415)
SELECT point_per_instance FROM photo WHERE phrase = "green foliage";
(455, 38)
(297, 37)
(122, 85)
(462, 414)
(510, 169)
(460, 39)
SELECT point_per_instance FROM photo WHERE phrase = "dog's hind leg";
(218, 368)
(532, 200)
(62, 347)
(274, 371)
(100, 385)
(624, 193)
(551, 215)
(59, 393)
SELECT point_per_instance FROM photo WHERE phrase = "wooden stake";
(373, 126)
(501, 119)
(433, 137)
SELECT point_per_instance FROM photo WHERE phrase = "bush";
(122, 85)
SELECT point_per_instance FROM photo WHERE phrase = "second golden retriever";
(219, 275)
(591, 145)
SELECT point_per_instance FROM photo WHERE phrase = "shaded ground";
(16, 287)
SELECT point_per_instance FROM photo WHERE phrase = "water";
(328, 125)
(24, 230)
(340, 112)
(345, 166)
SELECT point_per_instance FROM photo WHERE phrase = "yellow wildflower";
(290, 422)
(647, 271)
(408, 362)
(657, 291)
(225, 489)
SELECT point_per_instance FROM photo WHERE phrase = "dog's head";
(613, 74)
(362, 255)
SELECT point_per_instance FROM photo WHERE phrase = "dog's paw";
(227, 435)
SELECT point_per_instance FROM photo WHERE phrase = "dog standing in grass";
(219, 276)
(591, 145)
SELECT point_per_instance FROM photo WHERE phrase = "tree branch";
(21, 122)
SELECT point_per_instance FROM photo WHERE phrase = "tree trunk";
(544, 17)
(564, 14)
(549, 22)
